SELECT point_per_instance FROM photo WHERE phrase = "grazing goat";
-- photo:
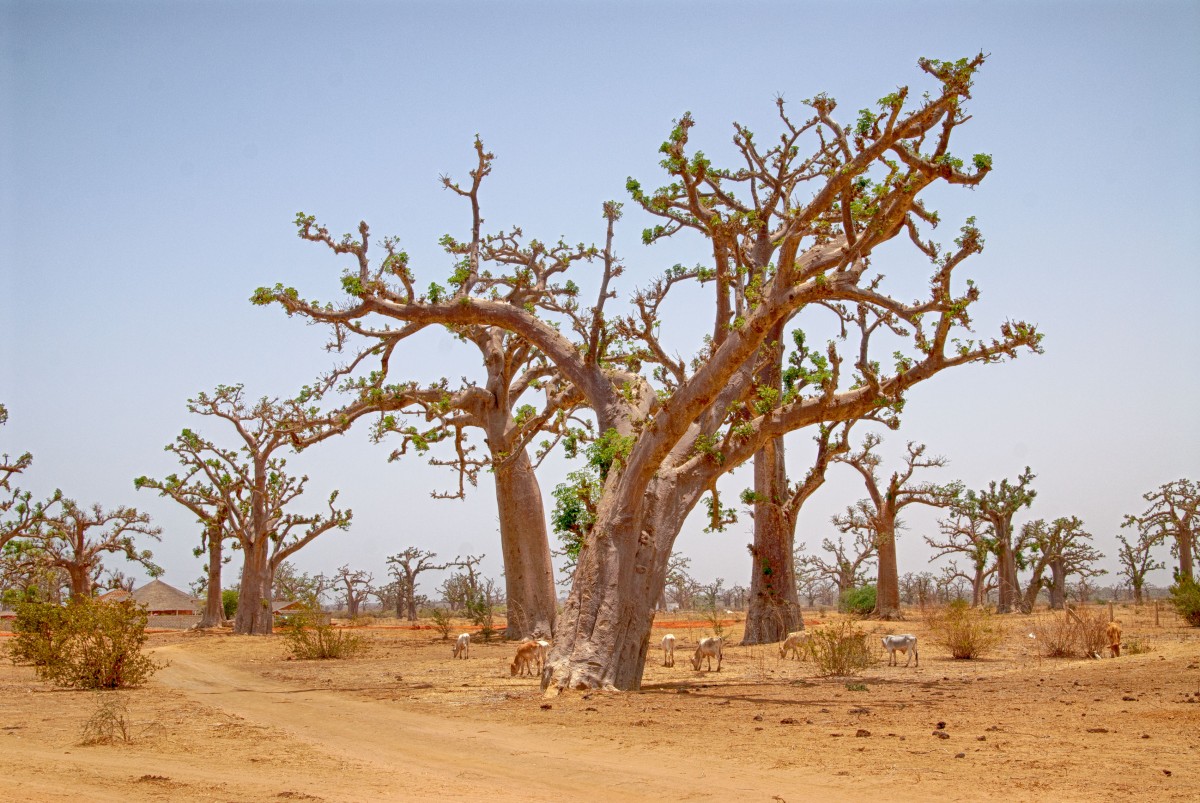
(668, 648)
(904, 643)
(462, 646)
(543, 651)
(1113, 631)
(795, 643)
(525, 659)
(708, 648)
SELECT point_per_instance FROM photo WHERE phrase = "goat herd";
(532, 654)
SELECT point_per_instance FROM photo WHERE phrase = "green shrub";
(87, 645)
(840, 649)
(441, 621)
(308, 637)
(229, 600)
(859, 601)
(965, 631)
(40, 629)
(1185, 596)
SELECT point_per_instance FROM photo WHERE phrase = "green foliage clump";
(839, 649)
(310, 638)
(86, 645)
(1185, 596)
(229, 601)
(965, 631)
(610, 451)
(481, 610)
(859, 601)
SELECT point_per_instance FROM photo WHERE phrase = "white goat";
(543, 651)
(795, 643)
(462, 647)
(668, 648)
(708, 648)
(903, 643)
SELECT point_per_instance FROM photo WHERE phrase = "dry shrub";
(109, 723)
(1134, 647)
(965, 631)
(308, 637)
(1073, 634)
(839, 648)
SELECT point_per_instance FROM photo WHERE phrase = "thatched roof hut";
(161, 599)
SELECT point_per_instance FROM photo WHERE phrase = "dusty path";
(403, 753)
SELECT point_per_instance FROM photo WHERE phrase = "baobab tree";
(406, 566)
(254, 491)
(502, 407)
(13, 499)
(75, 539)
(210, 503)
(880, 512)
(1136, 563)
(796, 224)
(355, 585)
(1174, 513)
(848, 565)
(1061, 546)
(997, 505)
(774, 605)
(968, 534)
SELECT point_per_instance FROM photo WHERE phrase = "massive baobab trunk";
(604, 629)
(254, 615)
(774, 608)
(887, 587)
(1007, 585)
(528, 567)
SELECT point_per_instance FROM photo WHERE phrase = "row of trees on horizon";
(55, 545)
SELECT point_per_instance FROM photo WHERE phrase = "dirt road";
(403, 751)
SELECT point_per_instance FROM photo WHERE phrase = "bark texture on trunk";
(604, 629)
(81, 580)
(214, 611)
(1006, 572)
(1058, 584)
(978, 587)
(254, 616)
(887, 584)
(528, 567)
(774, 607)
(1184, 540)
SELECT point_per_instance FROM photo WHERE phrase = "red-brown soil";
(231, 718)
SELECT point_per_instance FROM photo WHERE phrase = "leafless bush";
(109, 723)
(965, 631)
(1073, 634)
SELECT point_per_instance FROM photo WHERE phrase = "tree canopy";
(791, 229)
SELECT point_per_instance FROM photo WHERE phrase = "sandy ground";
(233, 719)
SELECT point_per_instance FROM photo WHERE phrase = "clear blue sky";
(153, 155)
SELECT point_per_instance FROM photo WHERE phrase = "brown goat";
(525, 660)
(1113, 631)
